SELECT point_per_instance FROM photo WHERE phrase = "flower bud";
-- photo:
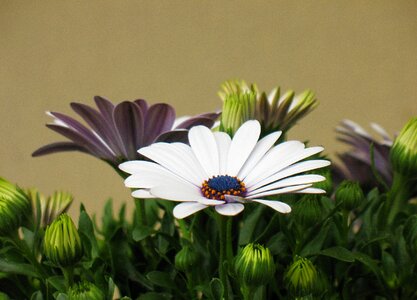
(403, 153)
(237, 109)
(85, 291)
(254, 265)
(14, 207)
(186, 259)
(301, 278)
(62, 244)
(308, 210)
(349, 194)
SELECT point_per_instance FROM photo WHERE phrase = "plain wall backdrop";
(360, 57)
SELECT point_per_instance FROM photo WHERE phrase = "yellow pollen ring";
(214, 194)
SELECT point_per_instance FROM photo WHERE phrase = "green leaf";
(111, 287)
(62, 296)
(250, 223)
(316, 243)
(278, 244)
(216, 289)
(339, 253)
(161, 279)
(58, 282)
(141, 232)
(17, 268)
(37, 296)
(369, 262)
(86, 230)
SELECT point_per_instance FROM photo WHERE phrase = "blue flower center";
(218, 186)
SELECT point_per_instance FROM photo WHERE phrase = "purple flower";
(357, 162)
(114, 133)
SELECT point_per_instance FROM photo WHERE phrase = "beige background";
(359, 56)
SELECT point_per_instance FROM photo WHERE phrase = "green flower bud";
(349, 194)
(237, 109)
(14, 207)
(62, 244)
(302, 278)
(254, 265)
(308, 210)
(85, 291)
(186, 259)
(403, 153)
(389, 271)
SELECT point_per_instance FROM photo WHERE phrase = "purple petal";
(91, 145)
(143, 106)
(187, 124)
(105, 107)
(173, 136)
(100, 125)
(129, 120)
(159, 119)
(58, 147)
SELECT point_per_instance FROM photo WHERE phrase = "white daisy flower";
(215, 170)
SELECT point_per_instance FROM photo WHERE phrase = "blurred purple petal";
(173, 136)
(58, 147)
(159, 119)
(194, 122)
(129, 121)
(143, 106)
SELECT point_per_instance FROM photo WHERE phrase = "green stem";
(397, 197)
(184, 230)
(140, 211)
(247, 292)
(224, 249)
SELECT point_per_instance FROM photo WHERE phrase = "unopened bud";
(349, 195)
(186, 259)
(301, 278)
(85, 291)
(404, 150)
(254, 265)
(237, 109)
(62, 243)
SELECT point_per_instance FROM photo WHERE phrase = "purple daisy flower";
(357, 163)
(115, 132)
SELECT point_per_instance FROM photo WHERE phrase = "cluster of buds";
(242, 102)
(62, 243)
(50, 207)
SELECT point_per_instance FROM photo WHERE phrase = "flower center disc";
(218, 186)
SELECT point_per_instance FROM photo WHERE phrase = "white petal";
(286, 161)
(178, 158)
(274, 157)
(223, 144)
(210, 202)
(288, 189)
(300, 167)
(311, 191)
(230, 209)
(151, 176)
(143, 194)
(242, 145)
(295, 180)
(185, 209)
(277, 205)
(137, 166)
(204, 146)
(176, 191)
(258, 152)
